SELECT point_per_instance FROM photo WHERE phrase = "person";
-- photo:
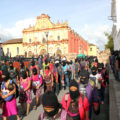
(72, 66)
(32, 67)
(48, 79)
(52, 108)
(25, 95)
(76, 69)
(45, 64)
(4, 67)
(37, 82)
(55, 79)
(23, 68)
(65, 74)
(60, 72)
(101, 71)
(7, 111)
(40, 64)
(13, 72)
(76, 105)
(88, 88)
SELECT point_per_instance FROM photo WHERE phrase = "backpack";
(17, 91)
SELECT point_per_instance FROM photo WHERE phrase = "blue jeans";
(66, 80)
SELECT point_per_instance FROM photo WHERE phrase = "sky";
(89, 18)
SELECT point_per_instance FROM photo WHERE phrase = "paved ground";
(104, 115)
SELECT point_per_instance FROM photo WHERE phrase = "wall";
(13, 49)
(76, 44)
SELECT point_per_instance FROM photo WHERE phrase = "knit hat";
(85, 74)
(94, 68)
(100, 65)
(74, 83)
(6, 73)
(49, 99)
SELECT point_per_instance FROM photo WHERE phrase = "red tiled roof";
(13, 41)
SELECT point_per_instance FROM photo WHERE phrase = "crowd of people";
(85, 80)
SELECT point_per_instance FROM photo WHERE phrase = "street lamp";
(46, 33)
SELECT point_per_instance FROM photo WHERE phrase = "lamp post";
(46, 33)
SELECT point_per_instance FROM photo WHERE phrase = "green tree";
(110, 44)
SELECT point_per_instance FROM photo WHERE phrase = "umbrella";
(81, 56)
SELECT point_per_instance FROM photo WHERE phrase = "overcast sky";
(89, 18)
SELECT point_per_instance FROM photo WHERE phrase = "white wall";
(115, 11)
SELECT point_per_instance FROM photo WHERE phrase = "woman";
(52, 108)
(25, 92)
(7, 111)
(75, 103)
(36, 85)
(48, 79)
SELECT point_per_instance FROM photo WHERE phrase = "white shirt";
(98, 80)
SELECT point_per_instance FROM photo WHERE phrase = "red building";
(76, 44)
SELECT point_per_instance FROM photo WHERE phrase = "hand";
(37, 87)
(4, 96)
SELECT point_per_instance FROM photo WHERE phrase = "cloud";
(16, 31)
(95, 34)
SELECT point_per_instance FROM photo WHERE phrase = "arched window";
(30, 40)
(17, 50)
(43, 40)
(58, 37)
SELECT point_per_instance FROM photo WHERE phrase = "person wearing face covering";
(52, 108)
(76, 105)
(13, 72)
(25, 92)
(23, 68)
(103, 81)
(32, 67)
(45, 64)
(10, 105)
(88, 88)
(48, 80)
(65, 69)
(37, 82)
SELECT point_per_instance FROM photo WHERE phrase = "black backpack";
(17, 90)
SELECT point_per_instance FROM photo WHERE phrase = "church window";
(17, 50)
(90, 49)
(58, 37)
(30, 40)
(8, 50)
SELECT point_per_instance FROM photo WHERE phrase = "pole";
(46, 33)
(47, 44)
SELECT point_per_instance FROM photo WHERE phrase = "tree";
(110, 44)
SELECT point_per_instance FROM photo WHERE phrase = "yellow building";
(46, 37)
(93, 50)
(13, 47)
